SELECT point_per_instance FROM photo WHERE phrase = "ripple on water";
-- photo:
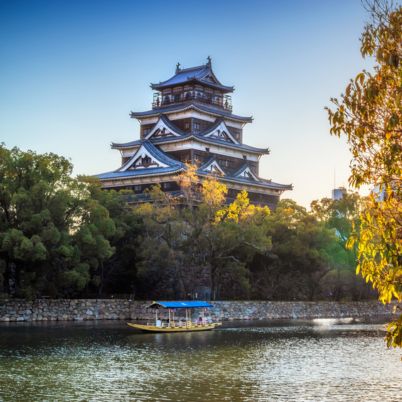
(265, 363)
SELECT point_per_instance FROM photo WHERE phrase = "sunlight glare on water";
(262, 362)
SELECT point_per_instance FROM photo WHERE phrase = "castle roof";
(175, 134)
(260, 183)
(242, 175)
(200, 74)
(162, 164)
(181, 107)
(197, 137)
(171, 166)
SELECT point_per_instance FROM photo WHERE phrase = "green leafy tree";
(161, 269)
(53, 235)
(369, 113)
(342, 216)
(237, 235)
(300, 256)
(118, 273)
(39, 206)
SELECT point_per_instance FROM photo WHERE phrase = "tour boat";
(180, 324)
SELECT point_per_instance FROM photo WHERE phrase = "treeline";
(65, 237)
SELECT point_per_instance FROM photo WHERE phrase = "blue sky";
(71, 71)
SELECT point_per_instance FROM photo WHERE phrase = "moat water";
(318, 360)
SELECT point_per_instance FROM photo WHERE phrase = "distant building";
(338, 193)
(191, 120)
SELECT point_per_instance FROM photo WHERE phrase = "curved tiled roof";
(160, 155)
(207, 163)
(173, 165)
(186, 136)
(234, 177)
(197, 74)
(192, 105)
(171, 125)
(201, 138)
(211, 161)
(260, 183)
(242, 169)
(137, 173)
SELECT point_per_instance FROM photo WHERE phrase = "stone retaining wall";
(120, 309)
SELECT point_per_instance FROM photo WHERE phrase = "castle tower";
(191, 120)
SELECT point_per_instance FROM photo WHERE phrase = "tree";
(162, 269)
(342, 216)
(369, 113)
(114, 263)
(238, 233)
(299, 259)
(202, 243)
(188, 182)
(39, 206)
(53, 235)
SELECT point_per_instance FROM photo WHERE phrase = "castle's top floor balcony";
(221, 101)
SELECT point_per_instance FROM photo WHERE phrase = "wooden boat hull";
(188, 328)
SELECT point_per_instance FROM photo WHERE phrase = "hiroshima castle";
(191, 121)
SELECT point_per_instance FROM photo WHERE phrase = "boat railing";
(179, 324)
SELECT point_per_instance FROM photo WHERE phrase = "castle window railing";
(224, 101)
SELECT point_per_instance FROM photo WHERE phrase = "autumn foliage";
(369, 114)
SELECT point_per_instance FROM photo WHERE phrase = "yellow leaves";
(360, 78)
(380, 246)
(394, 333)
(240, 210)
(144, 209)
(348, 90)
(350, 242)
(213, 192)
(369, 114)
(235, 210)
(387, 294)
(189, 177)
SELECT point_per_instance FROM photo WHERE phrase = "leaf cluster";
(369, 113)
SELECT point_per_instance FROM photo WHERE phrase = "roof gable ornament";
(221, 132)
(246, 173)
(209, 61)
(142, 159)
(178, 69)
(162, 129)
(212, 166)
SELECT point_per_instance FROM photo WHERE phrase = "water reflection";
(296, 361)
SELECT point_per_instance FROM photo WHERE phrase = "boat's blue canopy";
(181, 304)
